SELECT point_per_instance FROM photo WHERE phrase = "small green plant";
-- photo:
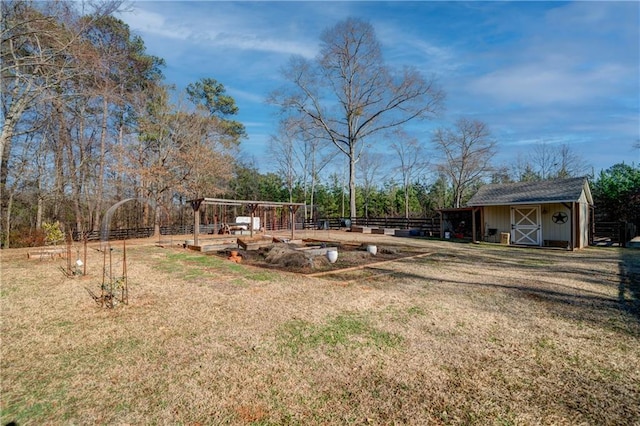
(52, 233)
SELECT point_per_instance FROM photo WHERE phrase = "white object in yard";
(79, 262)
(332, 255)
(372, 249)
(247, 220)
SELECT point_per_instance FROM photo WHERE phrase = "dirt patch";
(310, 256)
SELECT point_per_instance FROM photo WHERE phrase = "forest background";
(89, 120)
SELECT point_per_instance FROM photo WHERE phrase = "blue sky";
(552, 72)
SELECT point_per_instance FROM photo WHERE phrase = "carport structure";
(250, 204)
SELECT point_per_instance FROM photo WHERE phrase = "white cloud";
(257, 42)
(543, 83)
(213, 28)
(154, 24)
(246, 95)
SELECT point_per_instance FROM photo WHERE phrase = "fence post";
(623, 234)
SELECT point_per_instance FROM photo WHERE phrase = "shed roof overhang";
(523, 202)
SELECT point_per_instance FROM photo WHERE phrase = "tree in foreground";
(348, 93)
(466, 151)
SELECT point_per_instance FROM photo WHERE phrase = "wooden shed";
(551, 213)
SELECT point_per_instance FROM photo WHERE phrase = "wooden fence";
(430, 226)
(130, 233)
(424, 224)
(613, 232)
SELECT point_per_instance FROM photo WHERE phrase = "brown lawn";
(438, 333)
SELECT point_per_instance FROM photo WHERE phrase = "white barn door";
(525, 225)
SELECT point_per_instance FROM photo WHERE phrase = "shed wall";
(499, 217)
(556, 231)
(584, 225)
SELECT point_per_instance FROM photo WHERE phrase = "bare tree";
(300, 156)
(547, 161)
(412, 162)
(466, 154)
(570, 163)
(349, 94)
(316, 157)
(544, 160)
(282, 150)
(371, 175)
(36, 47)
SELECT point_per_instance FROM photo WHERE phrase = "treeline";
(89, 121)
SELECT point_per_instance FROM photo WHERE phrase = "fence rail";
(431, 225)
(129, 233)
(425, 224)
(614, 232)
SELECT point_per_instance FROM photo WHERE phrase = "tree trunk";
(156, 225)
(65, 138)
(39, 210)
(6, 136)
(406, 203)
(103, 142)
(8, 220)
(17, 108)
(352, 181)
(119, 173)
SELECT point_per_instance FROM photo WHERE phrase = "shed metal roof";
(548, 191)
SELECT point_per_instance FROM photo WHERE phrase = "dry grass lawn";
(470, 334)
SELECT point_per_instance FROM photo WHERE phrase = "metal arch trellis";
(114, 288)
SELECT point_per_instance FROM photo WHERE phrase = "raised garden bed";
(309, 256)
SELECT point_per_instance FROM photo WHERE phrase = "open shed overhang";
(252, 204)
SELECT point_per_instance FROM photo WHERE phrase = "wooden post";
(292, 210)
(195, 204)
(253, 208)
(574, 227)
(84, 265)
(125, 285)
(473, 225)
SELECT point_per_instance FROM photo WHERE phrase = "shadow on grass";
(581, 307)
(620, 314)
(629, 287)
